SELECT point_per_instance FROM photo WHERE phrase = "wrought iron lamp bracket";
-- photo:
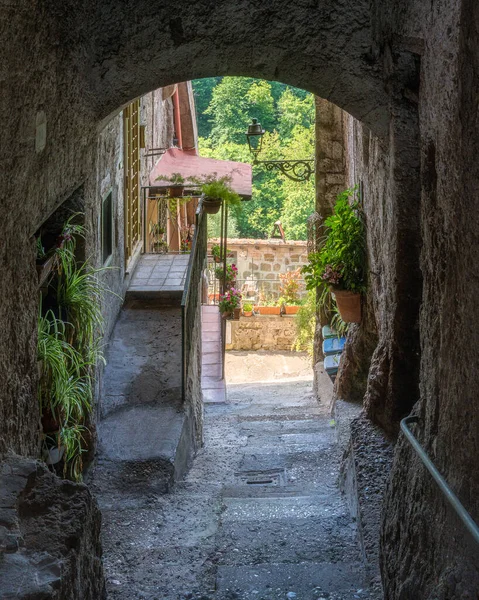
(296, 170)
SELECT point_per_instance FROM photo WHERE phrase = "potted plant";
(231, 273)
(247, 309)
(341, 262)
(216, 253)
(177, 182)
(289, 290)
(216, 190)
(229, 303)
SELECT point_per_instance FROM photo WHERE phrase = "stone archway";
(88, 61)
(320, 47)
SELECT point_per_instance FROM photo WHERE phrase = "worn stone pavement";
(259, 516)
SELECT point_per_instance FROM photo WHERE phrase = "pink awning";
(187, 163)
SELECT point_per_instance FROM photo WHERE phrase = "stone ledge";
(365, 469)
(49, 536)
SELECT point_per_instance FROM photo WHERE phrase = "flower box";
(268, 310)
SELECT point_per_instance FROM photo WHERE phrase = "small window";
(107, 228)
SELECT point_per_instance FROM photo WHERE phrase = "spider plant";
(337, 323)
(69, 347)
(79, 295)
(71, 438)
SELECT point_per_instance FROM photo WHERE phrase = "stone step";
(284, 581)
(140, 296)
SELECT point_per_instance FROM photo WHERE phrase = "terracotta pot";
(236, 314)
(248, 313)
(226, 315)
(269, 310)
(211, 205)
(349, 305)
(291, 310)
(217, 259)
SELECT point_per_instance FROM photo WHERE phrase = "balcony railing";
(191, 305)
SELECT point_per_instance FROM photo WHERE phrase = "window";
(107, 228)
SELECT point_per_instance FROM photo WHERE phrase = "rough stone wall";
(387, 342)
(49, 536)
(261, 332)
(419, 529)
(330, 180)
(262, 261)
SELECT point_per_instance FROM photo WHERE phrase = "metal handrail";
(451, 497)
(199, 216)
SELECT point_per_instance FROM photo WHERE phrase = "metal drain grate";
(270, 477)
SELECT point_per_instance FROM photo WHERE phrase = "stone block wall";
(262, 332)
(261, 261)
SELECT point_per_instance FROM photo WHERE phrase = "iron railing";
(191, 299)
(451, 497)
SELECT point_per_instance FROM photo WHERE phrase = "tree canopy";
(225, 107)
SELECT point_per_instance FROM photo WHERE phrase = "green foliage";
(230, 300)
(68, 348)
(219, 189)
(289, 286)
(71, 438)
(203, 91)
(214, 225)
(247, 307)
(64, 382)
(174, 178)
(288, 116)
(306, 325)
(234, 102)
(337, 323)
(295, 112)
(341, 262)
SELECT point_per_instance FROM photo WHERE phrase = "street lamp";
(296, 170)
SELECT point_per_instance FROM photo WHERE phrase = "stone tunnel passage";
(76, 62)
(259, 515)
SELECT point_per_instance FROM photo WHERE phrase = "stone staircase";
(212, 380)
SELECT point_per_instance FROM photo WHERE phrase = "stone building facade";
(260, 262)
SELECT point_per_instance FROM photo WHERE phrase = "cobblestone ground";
(259, 515)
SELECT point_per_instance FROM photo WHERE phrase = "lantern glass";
(255, 137)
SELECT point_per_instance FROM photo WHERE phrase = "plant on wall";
(68, 353)
(306, 324)
(231, 274)
(340, 264)
(229, 301)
